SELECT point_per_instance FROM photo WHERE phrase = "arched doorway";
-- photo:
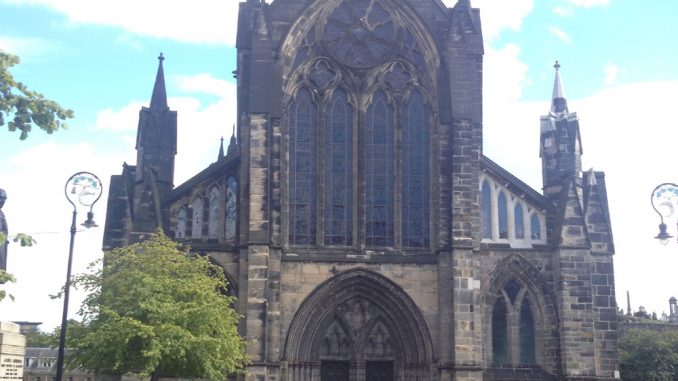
(358, 326)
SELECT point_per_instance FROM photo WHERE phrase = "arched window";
(414, 122)
(196, 227)
(231, 219)
(182, 217)
(503, 216)
(499, 333)
(213, 220)
(527, 343)
(302, 114)
(486, 202)
(339, 171)
(535, 227)
(518, 219)
(379, 172)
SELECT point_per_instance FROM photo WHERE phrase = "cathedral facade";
(362, 229)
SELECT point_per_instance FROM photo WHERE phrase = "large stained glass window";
(338, 171)
(535, 227)
(414, 122)
(197, 223)
(379, 172)
(213, 219)
(302, 124)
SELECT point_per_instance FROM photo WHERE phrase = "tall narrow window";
(230, 222)
(302, 115)
(486, 203)
(518, 221)
(196, 226)
(527, 344)
(535, 227)
(180, 232)
(213, 220)
(499, 333)
(503, 216)
(379, 172)
(339, 171)
(414, 121)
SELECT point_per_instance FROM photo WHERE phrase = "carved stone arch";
(232, 289)
(368, 98)
(311, 23)
(389, 305)
(535, 288)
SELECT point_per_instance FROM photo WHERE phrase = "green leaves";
(649, 355)
(155, 309)
(25, 107)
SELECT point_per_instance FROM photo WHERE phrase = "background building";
(364, 232)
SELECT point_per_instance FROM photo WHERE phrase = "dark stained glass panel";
(339, 171)
(379, 172)
(379, 371)
(503, 216)
(535, 227)
(519, 225)
(486, 202)
(499, 333)
(414, 121)
(302, 122)
(527, 343)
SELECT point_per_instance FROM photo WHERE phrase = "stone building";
(364, 232)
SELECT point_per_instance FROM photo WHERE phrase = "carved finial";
(221, 149)
(161, 57)
(557, 65)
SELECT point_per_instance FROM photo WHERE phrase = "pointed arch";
(376, 308)
(518, 219)
(486, 205)
(533, 295)
(181, 220)
(231, 217)
(197, 220)
(502, 209)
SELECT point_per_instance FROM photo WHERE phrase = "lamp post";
(83, 188)
(664, 200)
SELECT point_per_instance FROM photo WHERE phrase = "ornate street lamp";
(665, 202)
(84, 189)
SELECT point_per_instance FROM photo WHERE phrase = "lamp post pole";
(82, 188)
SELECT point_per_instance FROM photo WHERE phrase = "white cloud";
(205, 83)
(499, 15)
(27, 48)
(563, 11)
(561, 34)
(124, 119)
(197, 21)
(611, 74)
(589, 3)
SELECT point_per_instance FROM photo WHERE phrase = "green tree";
(649, 355)
(155, 309)
(25, 107)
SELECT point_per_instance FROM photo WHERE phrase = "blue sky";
(619, 67)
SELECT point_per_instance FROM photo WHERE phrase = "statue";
(3, 230)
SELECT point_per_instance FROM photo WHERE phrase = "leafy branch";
(26, 107)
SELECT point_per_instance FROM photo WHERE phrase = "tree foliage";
(25, 108)
(649, 355)
(155, 309)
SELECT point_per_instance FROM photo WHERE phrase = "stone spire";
(221, 149)
(558, 103)
(159, 97)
